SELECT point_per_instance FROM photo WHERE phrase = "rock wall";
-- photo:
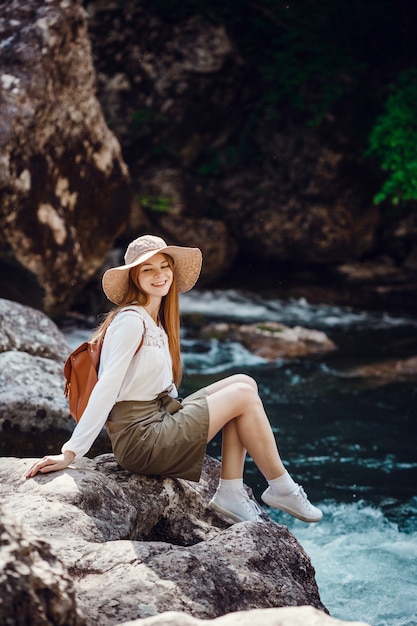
(203, 162)
(64, 187)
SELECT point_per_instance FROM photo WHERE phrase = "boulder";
(143, 550)
(33, 409)
(25, 329)
(34, 413)
(140, 546)
(272, 340)
(31, 391)
(65, 189)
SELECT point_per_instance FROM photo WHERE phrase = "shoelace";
(250, 505)
(301, 494)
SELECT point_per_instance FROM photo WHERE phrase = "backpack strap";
(100, 340)
(144, 330)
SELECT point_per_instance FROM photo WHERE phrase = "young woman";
(152, 431)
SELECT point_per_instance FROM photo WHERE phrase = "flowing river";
(350, 441)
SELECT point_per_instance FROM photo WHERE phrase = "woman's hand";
(51, 463)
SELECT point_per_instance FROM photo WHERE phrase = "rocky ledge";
(95, 544)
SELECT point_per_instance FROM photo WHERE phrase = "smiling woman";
(152, 431)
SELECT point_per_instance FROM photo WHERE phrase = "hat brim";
(187, 268)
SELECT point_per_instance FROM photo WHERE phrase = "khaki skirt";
(163, 437)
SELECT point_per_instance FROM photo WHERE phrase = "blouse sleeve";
(120, 343)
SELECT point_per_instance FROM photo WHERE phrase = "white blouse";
(124, 373)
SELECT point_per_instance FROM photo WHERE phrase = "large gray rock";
(25, 329)
(32, 404)
(32, 401)
(139, 546)
(34, 413)
(33, 409)
(64, 187)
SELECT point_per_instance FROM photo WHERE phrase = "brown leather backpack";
(81, 374)
(80, 371)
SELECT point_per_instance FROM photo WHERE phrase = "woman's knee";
(232, 402)
(234, 399)
(247, 380)
(230, 382)
(246, 393)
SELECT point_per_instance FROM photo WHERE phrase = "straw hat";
(187, 265)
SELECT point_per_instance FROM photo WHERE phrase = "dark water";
(350, 441)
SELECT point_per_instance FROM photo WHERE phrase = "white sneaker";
(239, 509)
(296, 504)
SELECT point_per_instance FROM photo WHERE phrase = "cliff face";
(207, 158)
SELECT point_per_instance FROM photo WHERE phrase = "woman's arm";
(119, 346)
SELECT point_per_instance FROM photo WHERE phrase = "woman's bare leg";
(233, 452)
(235, 407)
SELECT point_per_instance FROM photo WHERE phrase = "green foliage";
(156, 204)
(269, 329)
(393, 141)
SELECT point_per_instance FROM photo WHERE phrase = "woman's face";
(155, 276)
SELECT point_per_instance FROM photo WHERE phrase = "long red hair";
(169, 315)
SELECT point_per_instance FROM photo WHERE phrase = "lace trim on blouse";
(154, 336)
